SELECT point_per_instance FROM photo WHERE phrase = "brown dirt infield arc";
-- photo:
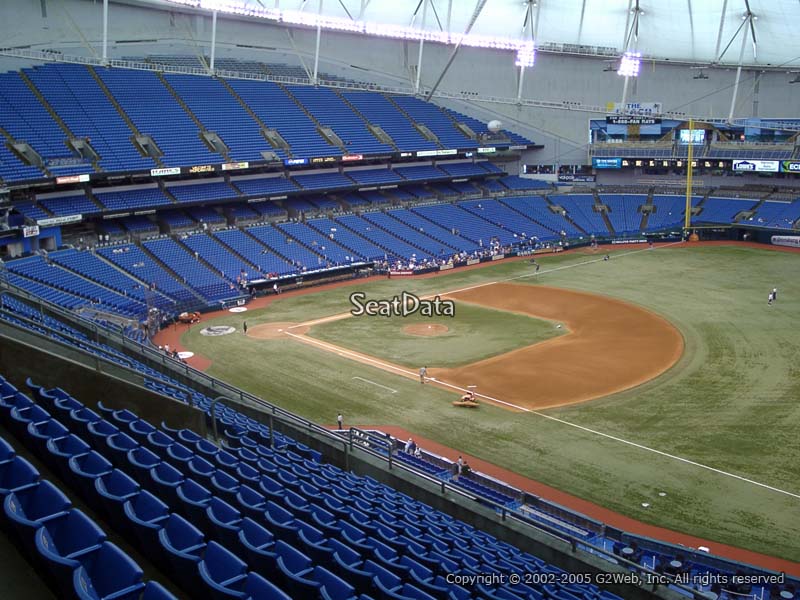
(425, 330)
(611, 346)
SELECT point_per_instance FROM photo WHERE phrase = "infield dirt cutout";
(274, 331)
(610, 346)
(425, 329)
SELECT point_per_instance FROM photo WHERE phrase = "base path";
(612, 346)
(592, 510)
(274, 331)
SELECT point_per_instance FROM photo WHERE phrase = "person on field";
(774, 294)
(423, 373)
(770, 298)
(340, 420)
(244, 327)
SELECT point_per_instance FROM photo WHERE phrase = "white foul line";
(392, 390)
(344, 352)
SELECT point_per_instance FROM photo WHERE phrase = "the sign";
(30, 231)
(473, 261)
(793, 241)
(201, 169)
(635, 108)
(634, 120)
(352, 157)
(578, 178)
(446, 152)
(446, 267)
(406, 154)
(323, 159)
(235, 166)
(59, 220)
(291, 162)
(606, 163)
(633, 241)
(790, 166)
(165, 171)
(217, 330)
(498, 256)
(487, 150)
(83, 178)
(518, 147)
(757, 166)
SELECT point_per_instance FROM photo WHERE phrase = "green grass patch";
(731, 402)
(474, 333)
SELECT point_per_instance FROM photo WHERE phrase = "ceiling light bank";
(524, 49)
(526, 56)
(630, 64)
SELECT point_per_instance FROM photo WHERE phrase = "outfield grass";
(731, 402)
(474, 333)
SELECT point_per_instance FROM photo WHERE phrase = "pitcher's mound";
(425, 329)
(274, 331)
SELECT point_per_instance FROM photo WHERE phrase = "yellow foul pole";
(689, 170)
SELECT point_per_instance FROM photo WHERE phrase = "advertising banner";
(756, 166)
(83, 178)
(165, 171)
(790, 166)
(235, 166)
(606, 163)
(793, 241)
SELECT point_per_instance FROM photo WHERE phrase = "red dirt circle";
(426, 329)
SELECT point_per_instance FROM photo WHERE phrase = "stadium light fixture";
(629, 64)
(526, 56)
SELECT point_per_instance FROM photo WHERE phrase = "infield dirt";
(612, 346)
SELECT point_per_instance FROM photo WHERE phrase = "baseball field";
(659, 378)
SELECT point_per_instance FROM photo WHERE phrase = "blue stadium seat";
(21, 417)
(257, 545)
(140, 461)
(85, 469)
(118, 446)
(107, 573)
(29, 507)
(296, 569)
(114, 489)
(40, 434)
(181, 549)
(165, 480)
(145, 515)
(62, 541)
(224, 520)
(220, 570)
(194, 500)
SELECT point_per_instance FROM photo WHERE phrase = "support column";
(213, 39)
(319, 37)
(738, 74)
(521, 79)
(421, 45)
(105, 31)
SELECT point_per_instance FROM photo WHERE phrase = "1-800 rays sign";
(217, 330)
